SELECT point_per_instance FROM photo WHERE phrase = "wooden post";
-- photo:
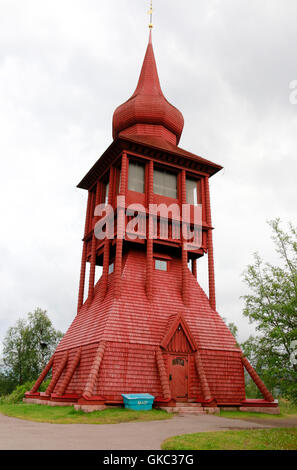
(183, 199)
(211, 277)
(106, 254)
(42, 375)
(62, 387)
(194, 268)
(163, 375)
(149, 233)
(90, 384)
(93, 251)
(120, 225)
(261, 386)
(84, 257)
(57, 374)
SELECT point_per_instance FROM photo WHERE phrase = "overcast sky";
(65, 66)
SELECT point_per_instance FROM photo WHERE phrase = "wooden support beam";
(106, 255)
(202, 376)
(162, 374)
(90, 384)
(211, 276)
(57, 375)
(150, 232)
(69, 374)
(194, 268)
(261, 386)
(42, 376)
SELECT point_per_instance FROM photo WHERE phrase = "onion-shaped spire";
(148, 112)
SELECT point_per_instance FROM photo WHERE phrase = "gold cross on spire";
(150, 12)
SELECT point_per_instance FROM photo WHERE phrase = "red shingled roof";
(124, 320)
(133, 328)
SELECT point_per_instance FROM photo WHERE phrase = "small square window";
(110, 269)
(160, 265)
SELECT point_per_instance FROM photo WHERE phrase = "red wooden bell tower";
(147, 325)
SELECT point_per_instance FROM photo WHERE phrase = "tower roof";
(148, 112)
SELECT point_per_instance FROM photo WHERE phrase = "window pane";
(136, 177)
(165, 183)
(160, 265)
(192, 196)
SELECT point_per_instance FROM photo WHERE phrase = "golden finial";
(150, 12)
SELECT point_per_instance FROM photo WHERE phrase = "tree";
(28, 346)
(272, 305)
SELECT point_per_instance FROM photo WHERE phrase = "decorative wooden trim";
(194, 268)
(90, 384)
(261, 386)
(163, 375)
(42, 375)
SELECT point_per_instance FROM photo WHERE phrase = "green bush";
(19, 392)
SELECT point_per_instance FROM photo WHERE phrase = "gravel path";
(18, 434)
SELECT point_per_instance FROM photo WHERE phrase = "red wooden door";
(178, 376)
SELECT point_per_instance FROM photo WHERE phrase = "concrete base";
(37, 401)
(274, 410)
(182, 408)
(90, 408)
(199, 410)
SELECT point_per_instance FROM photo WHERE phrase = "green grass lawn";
(255, 439)
(68, 415)
(287, 410)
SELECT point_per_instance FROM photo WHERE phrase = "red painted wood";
(150, 231)
(178, 373)
(211, 277)
(140, 323)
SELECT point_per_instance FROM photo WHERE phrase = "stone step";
(199, 410)
(186, 404)
(189, 409)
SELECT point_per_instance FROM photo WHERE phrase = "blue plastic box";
(138, 401)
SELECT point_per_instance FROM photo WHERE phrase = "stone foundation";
(36, 401)
(190, 409)
(273, 410)
(90, 408)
